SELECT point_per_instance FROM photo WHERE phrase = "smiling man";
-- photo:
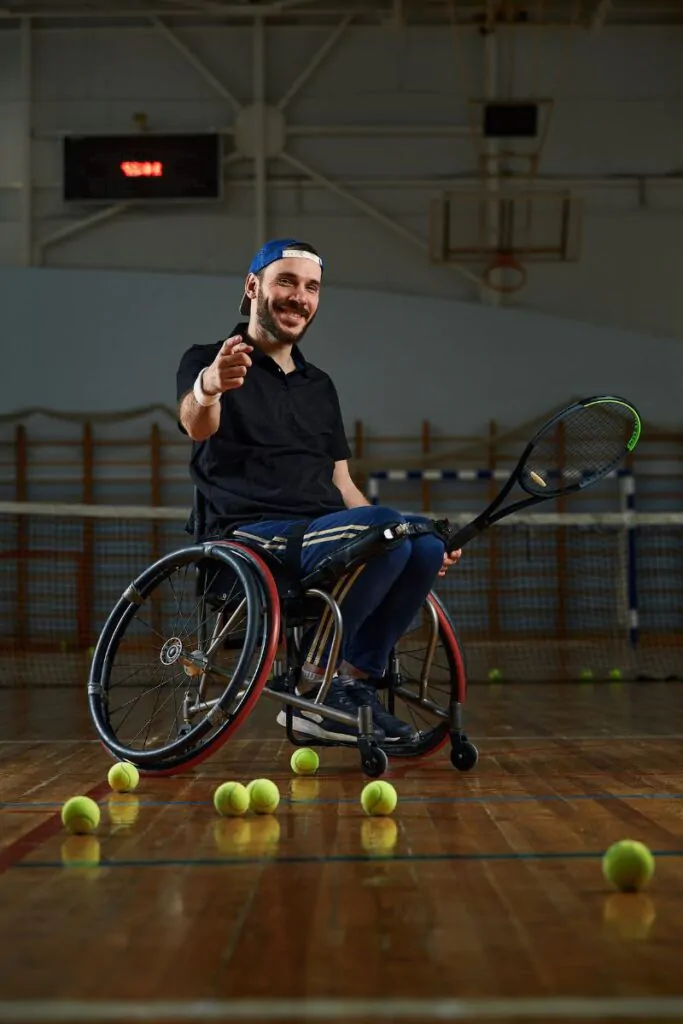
(270, 453)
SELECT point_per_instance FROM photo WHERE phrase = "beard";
(265, 316)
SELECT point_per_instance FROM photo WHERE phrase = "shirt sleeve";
(195, 359)
(339, 446)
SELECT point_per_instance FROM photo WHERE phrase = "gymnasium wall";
(615, 139)
(107, 341)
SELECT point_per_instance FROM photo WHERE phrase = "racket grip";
(459, 538)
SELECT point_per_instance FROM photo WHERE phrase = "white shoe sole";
(306, 727)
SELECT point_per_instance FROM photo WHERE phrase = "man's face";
(287, 298)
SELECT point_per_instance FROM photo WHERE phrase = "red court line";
(29, 842)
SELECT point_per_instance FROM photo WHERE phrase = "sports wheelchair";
(198, 637)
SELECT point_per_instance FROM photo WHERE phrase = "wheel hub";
(171, 651)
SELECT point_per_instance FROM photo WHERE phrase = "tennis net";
(538, 597)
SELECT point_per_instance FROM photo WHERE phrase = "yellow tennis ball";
(231, 798)
(304, 761)
(378, 798)
(123, 777)
(264, 796)
(628, 865)
(80, 815)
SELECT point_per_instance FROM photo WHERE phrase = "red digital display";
(142, 168)
(123, 168)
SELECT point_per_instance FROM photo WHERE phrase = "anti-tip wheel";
(375, 762)
(464, 756)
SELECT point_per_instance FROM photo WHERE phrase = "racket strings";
(581, 448)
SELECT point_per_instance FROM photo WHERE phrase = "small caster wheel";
(374, 761)
(464, 756)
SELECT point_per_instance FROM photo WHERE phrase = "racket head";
(579, 446)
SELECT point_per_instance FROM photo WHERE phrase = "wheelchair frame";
(285, 599)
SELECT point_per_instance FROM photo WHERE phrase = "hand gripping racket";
(596, 435)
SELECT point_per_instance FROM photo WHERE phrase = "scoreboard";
(116, 168)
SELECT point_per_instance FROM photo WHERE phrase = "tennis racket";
(596, 435)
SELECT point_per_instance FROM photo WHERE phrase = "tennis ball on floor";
(123, 777)
(231, 798)
(628, 865)
(586, 675)
(378, 798)
(80, 815)
(495, 675)
(304, 761)
(264, 796)
(615, 673)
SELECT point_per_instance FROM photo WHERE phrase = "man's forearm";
(353, 498)
(200, 421)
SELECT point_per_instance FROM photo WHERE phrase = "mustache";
(293, 307)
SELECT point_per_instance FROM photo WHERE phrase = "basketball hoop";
(505, 274)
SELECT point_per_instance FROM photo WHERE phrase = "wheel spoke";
(152, 651)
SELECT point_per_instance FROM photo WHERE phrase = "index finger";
(234, 344)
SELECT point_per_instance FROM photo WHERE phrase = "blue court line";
(492, 798)
(350, 858)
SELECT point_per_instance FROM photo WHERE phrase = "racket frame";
(490, 516)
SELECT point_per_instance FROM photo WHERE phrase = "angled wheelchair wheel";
(427, 676)
(183, 656)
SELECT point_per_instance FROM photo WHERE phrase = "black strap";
(295, 541)
(440, 527)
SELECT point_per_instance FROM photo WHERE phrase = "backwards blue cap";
(277, 249)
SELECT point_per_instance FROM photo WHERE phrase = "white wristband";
(201, 396)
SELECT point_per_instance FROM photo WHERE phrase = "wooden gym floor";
(480, 899)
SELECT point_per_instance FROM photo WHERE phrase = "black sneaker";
(363, 693)
(310, 723)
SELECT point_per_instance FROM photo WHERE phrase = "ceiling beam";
(380, 12)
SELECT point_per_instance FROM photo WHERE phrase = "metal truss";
(466, 12)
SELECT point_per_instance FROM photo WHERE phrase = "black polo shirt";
(279, 437)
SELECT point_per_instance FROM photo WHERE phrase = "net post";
(425, 485)
(561, 560)
(156, 496)
(155, 484)
(86, 567)
(21, 494)
(493, 539)
(628, 504)
(359, 452)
